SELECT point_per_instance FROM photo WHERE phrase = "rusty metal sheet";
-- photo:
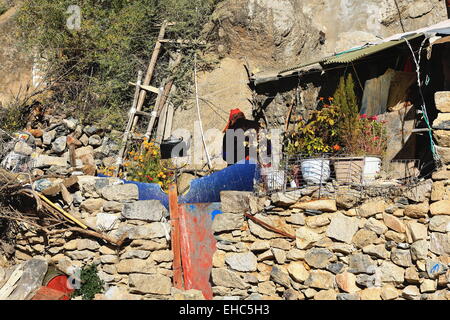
(198, 244)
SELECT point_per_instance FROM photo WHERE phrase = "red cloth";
(233, 113)
(409, 66)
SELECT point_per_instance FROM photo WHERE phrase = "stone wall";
(382, 248)
(377, 248)
(140, 269)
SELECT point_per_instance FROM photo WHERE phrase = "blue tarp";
(238, 177)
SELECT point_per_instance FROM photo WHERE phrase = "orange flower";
(336, 147)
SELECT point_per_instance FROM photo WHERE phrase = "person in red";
(236, 121)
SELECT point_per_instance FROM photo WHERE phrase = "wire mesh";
(326, 175)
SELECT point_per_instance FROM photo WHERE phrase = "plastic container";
(372, 167)
(316, 171)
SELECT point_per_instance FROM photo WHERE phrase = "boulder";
(342, 228)
(320, 279)
(121, 192)
(306, 237)
(318, 258)
(376, 226)
(326, 295)
(411, 293)
(136, 266)
(34, 271)
(244, 262)
(440, 224)
(389, 292)
(150, 284)
(442, 122)
(364, 238)
(59, 145)
(298, 271)
(319, 205)
(371, 208)
(417, 211)
(394, 223)
(440, 208)
(361, 263)
(227, 278)
(415, 231)
(444, 153)
(264, 233)
(347, 282)
(235, 201)
(442, 137)
(419, 250)
(370, 294)
(442, 100)
(391, 273)
(146, 210)
(92, 205)
(401, 257)
(227, 222)
(440, 243)
(279, 275)
(286, 199)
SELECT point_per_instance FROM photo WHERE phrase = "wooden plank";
(376, 94)
(148, 88)
(150, 71)
(161, 125)
(169, 121)
(175, 239)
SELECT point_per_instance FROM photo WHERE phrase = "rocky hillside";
(272, 35)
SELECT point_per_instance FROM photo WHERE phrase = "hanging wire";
(436, 156)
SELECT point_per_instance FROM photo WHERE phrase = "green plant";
(91, 284)
(345, 98)
(319, 135)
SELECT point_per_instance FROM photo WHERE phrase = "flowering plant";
(319, 134)
(368, 137)
(144, 164)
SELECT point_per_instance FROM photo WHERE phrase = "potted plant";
(368, 141)
(314, 138)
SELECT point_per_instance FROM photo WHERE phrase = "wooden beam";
(150, 71)
(147, 88)
(175, 238)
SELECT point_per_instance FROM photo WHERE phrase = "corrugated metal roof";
(353, 55)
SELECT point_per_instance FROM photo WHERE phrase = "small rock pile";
(381, 249)
(49, 149)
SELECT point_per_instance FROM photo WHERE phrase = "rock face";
(34, 271)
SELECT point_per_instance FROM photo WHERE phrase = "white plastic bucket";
(372, 167)
(315, 171)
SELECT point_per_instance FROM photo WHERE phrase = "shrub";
(91, 284)
(90, 68)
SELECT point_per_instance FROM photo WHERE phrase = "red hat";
(233, 115)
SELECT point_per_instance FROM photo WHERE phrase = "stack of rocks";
(380, 249)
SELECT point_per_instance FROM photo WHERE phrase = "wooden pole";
(176, 246)
(130, 121)
(150, 71)
(448, 8)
